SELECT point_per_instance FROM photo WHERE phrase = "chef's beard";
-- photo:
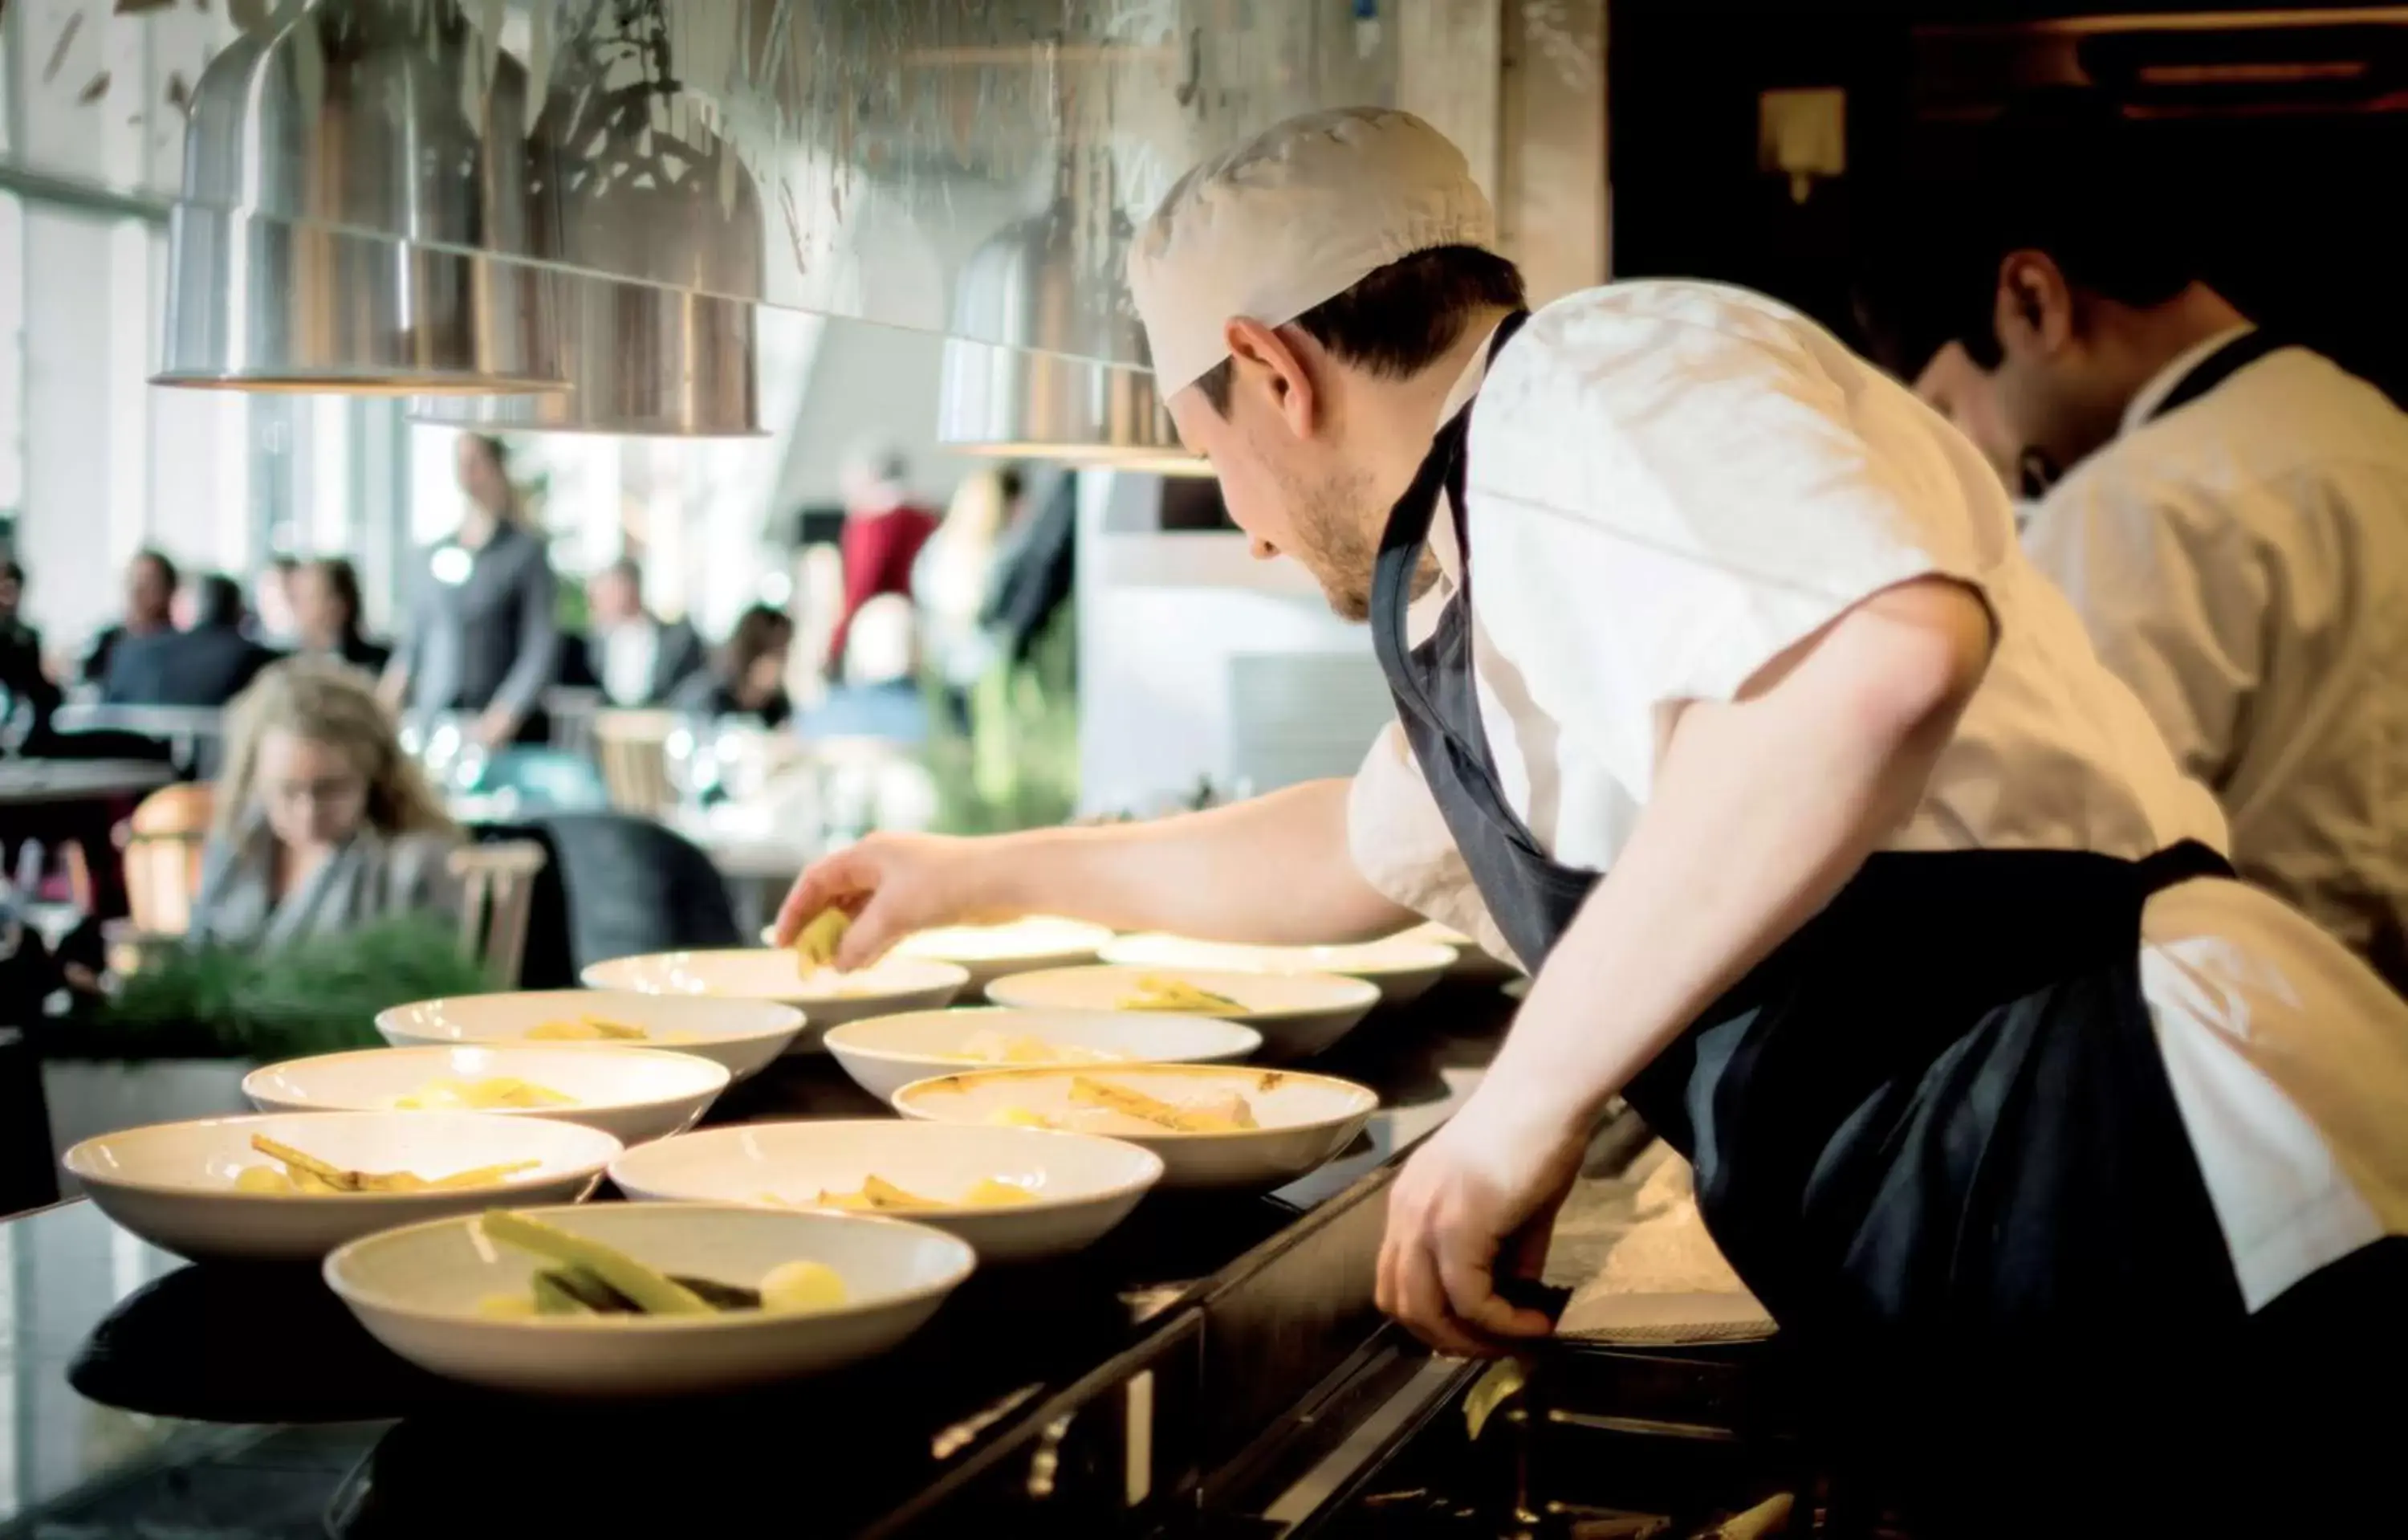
(1337, 537)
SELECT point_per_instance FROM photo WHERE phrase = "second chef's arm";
(1763, 808)
(1272, 869)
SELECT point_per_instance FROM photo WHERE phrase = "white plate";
(1304, 1118)
(771, 972)
(172, 1184)
(1404, 970)
(1470, 962)
(633, 1094)
(1080, 1186)
(742, 1034)
(417, 1290)
(884, 1054)
(990, 952)
(1297, 1013)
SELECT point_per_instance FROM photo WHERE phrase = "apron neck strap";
(1408, 525)
(2216, 368)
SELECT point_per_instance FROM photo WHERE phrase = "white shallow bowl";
(771, 972)
(884, 1054)
(1304, 1118)
(1403, 969)
(172, 1184)
(633, 1094)
(742, 1034)
(1470, 962)
(1080, 1185)
(990, 952)
(416, 1290)
(1297, 1013)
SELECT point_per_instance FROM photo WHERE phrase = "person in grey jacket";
(323, 824)
(482, 636)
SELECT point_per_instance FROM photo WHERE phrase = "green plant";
(314, 997)
(1018, 766)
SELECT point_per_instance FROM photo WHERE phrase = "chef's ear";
(1263, 360)
(2034, 309)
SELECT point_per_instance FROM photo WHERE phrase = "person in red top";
(883, 532)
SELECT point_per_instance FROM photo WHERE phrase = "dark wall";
(2294, 211)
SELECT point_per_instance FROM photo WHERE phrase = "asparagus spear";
(653, 1292)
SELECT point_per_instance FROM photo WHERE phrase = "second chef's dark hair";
(1399, 320)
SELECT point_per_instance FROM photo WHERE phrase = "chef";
(1728, 701)
(2232, 524)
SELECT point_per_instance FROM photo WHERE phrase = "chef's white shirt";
(2241, 563)
(1673, 482)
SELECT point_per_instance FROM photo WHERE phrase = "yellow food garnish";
(815, 943)
(802, 1285)
(306, 1174)
(990, 1193)
(1232, 1116)
(1019, 1118)
(585, 1029)
(484, 1095)
(989, 1047)
(878, 1194)
(1161, 992)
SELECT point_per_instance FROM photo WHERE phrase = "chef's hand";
(1478, 1200)
(893, 884)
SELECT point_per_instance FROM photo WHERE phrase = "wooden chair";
(497, 895)
(633, 747)
(163, 843)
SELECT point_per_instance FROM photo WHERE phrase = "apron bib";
(1936, 1114)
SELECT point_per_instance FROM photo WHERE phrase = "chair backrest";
(163, 840)
(633, 886)
(497, 896)
(634, 751)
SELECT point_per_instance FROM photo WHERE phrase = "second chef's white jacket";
(1673, 482)
(2241, 563)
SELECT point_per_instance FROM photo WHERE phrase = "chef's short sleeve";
(1401, 845)
(1673, 485)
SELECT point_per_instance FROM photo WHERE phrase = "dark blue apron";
(1937, 1112)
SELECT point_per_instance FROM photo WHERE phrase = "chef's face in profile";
(1286, 471)
(2056, 398)
(1953, 385)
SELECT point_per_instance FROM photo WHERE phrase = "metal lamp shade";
(1034, 388)
(356, 182)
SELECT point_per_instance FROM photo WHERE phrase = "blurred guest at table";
(749, 676)
(880, 697)
(955, 572)
(631, 655)
(883, 532)
(326, 616)
(273, 622)
(207, 664)
(322, 824)
(150, 585)
(28, 695)
(481, 635)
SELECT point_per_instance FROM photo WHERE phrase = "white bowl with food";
(1404, 970)
(632, 1094)
(990, 952)
(742, 1034)
(1297, 1013)
(291, 1187)
(472, 1299)
(884, 1054)
(826, 995)
(1215, 1126)
(1470, 960)
(1015, 1194)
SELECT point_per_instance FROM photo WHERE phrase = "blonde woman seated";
(324, 823)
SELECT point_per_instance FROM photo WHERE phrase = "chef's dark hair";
(1399, 320)
(2061, 171)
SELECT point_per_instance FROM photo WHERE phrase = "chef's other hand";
(892, 885)
(1477, 1202)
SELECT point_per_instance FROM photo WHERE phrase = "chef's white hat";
(1296, 215)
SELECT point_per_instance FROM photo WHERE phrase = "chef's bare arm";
(1763, 807)
(1272, 869)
